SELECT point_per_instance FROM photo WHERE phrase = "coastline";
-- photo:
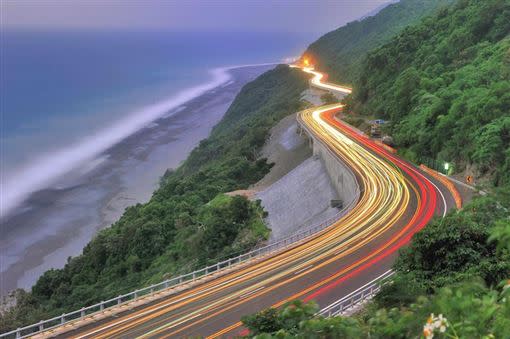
(58, 222)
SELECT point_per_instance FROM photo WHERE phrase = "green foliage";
(471, 311)
(266, 321)
(467, 309)
(340, 52)
(445, 85)
(492, 148)
(501, 231)
(286, 321)
(188, 223)
(401, 291)
(454, 248)
(357, 121)
(26, 311)
(452, 259)
(296, 320)
(328, 98)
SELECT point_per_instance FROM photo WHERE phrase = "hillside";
(445, 86)
(340, 52)
(444, 83)
(188, 223)
(442, 80)
(454, 275)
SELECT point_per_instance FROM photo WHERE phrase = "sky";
(184, 15)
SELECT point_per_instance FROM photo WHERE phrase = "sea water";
(67, 96)
(72, 105)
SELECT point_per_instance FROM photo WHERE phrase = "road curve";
(396, 201)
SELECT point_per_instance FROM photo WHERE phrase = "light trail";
(396, 201)
(319, 83)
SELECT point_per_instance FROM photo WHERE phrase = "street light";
(446, 166)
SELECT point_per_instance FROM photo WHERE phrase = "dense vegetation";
(444, 83)
(445, 86)
(340, 52)
(188, 223)
(457, 266)
(468, 311)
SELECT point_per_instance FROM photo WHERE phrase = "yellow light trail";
(383, 203)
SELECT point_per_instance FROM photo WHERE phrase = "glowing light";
(383, 206)
(317, 82)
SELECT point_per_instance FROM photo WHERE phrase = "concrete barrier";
(343, 179)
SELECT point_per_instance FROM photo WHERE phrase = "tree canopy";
(340, 52)
(188, 223)
(445, 86)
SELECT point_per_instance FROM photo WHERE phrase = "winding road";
(396, 201)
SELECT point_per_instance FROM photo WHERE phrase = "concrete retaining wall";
(343, 179)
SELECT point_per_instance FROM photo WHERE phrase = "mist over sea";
(89, 120)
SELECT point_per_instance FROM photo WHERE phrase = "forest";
(444, 84)
(340, 52)
(442, 80)
(439, 71)
(457, 267)
(188, 223)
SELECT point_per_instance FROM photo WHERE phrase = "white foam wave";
(46, 169)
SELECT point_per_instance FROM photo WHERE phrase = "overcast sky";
(197, 15)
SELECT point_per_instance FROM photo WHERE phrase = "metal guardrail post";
(359, 296)
(277, 245)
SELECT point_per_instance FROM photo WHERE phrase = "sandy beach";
(57, 222)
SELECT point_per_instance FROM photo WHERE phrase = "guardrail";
(189, 278)
(192, 277)
(329, 150)
(446, 182)
(357, 297)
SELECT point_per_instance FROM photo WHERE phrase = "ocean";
(68, 97)
(60, 90)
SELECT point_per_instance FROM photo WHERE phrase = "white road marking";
(303, 269)
(251, 292)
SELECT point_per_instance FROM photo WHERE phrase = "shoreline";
(58, 223)
(45, 170)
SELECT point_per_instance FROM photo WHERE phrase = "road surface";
(396, 201)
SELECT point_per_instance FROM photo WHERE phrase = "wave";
(46, 169)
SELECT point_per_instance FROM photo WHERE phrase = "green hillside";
(444, 82)
(188, 223)
(339, 52)
(445, 86)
